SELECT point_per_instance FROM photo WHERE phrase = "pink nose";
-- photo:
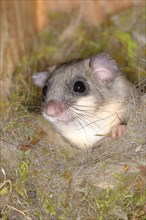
(54, 108)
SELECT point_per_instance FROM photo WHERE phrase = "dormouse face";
(80, 81)
(67, 84)
(72, 93)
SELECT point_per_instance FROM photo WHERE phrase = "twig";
(21, 212)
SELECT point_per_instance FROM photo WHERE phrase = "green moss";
(47, 203)
(48, 206)
(127, 42)
(122, 196)
(23, 173)
(4, 191)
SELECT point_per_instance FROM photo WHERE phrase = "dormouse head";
(77, 84)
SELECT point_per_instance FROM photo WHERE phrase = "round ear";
(40, 78)
(104, 67)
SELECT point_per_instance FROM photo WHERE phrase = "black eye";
(79, 87)
(45, 89)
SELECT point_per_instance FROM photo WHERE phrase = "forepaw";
(118, 131)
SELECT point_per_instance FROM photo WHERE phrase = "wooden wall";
(93, 11)
(17, 28)
(21, 19)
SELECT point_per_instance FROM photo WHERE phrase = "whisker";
(84, 106)
(78, 121)
(101, 104)
(102, 119)
(94, 122)
(107, 124)
(85, 120)
(80, 111)
(91, 113)
(84, 117)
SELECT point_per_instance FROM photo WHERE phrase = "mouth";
(64, 118)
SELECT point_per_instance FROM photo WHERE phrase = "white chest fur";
(91, 124)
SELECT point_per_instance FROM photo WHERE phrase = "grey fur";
(114, 88)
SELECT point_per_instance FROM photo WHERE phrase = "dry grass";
(42, 176)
